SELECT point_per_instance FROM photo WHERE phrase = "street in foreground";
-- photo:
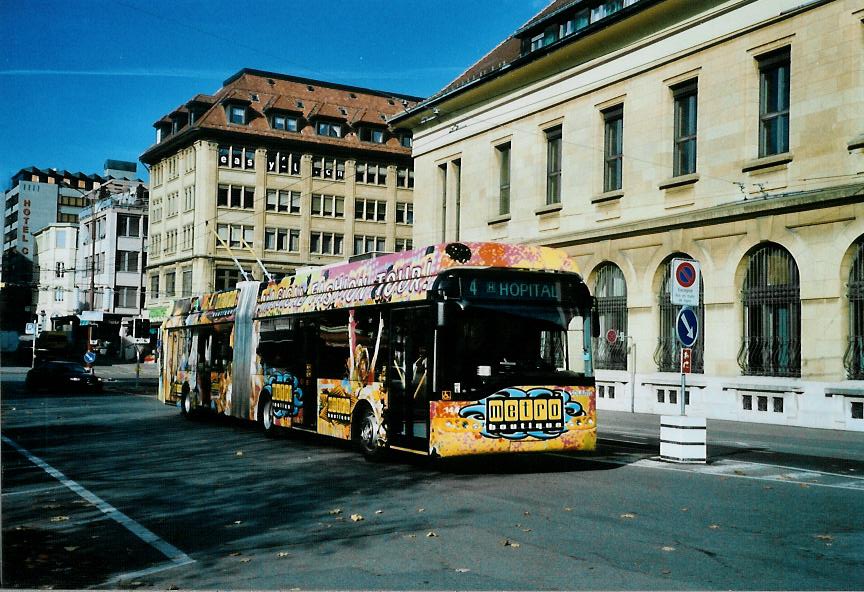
(118, 491)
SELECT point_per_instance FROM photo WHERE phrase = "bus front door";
(409, 376)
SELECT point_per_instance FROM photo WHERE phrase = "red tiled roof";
(265, 91)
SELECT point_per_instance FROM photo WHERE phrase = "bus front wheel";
(367, 435)
(267, 417)
(186, 402)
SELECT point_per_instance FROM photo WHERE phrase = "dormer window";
(406, 140)
(329, 128)
(371, 134)
(237, 114)
(285, 122)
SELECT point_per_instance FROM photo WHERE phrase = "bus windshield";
(481, 347)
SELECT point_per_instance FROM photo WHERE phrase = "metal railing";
(853, 359)
(770, 356)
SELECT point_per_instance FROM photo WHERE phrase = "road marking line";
(148, 572)
(176, 556)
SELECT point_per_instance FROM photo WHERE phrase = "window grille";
(611, 293)
(668, 352)
(853, 360)
(771, 344)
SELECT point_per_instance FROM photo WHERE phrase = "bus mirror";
(441, 316)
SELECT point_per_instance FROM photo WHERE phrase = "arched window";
(854, 358)
(668, 352)
(611, 293)
(772, 314)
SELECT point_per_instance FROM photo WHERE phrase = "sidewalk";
(731, 437)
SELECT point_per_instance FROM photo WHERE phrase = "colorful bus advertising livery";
(456, 349)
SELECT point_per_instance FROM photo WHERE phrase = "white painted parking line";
(175, 555)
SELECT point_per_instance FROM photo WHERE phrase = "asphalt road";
(118, 491)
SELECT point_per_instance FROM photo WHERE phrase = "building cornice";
(723, 214)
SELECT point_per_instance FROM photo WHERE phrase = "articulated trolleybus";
(455, 349)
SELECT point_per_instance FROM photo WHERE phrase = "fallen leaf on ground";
(379, 511)
(628, 516)
(335, 511)
(431, 534)
(245, 560)
(70, 549)
(421, 509)
(238, 453)
(713, 526)
(59, 518)
(668, 549)
(238, 522)
(235, 554)
(568, 509)
(356, 517)
(462, 569)
(824, 537)
(666, 572)
(282, 554)
(509, 543)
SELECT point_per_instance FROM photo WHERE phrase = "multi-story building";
(56, 247)
(37, 198)
(631, 132)
(278, 171)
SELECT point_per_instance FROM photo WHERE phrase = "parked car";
(62, 376)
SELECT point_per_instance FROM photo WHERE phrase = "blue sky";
(82, 81)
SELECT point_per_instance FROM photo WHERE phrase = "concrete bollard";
(683, 439)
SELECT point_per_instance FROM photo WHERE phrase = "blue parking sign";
(89, 357)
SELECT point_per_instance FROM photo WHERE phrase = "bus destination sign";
(512, 289)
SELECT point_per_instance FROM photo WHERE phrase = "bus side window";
(371, 338)
(333, 349)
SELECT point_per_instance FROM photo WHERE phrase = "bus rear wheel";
(367, 435)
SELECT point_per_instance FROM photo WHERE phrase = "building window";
(326, 243)
(235, 196)
(368, 244)
(328, 168)
(282, 239)
(170, 283)
(128, 225)
(186, 275)
(188, 236)
(610, 290)
(328, 206)
(59, 294)
(853, 360)
(285, 122)
(125, 297)
(328, 128)
(405, 177)
(237, 157)
(154, 285)
(404, 244)
(226, 279)
(553, 166)
(374, 174)
(171, 204)
(189, 198)
(371, 134)
(404, 213)
(370, 210)
(171, 241)
(237, 114)
(155, 245)
(234, 235)
(503, 153)
(685, 128)
(772, 314)
(613, 148)
(283, 201)
(774, 102)
(283, 162)
(127, 261)
(668, 353)
(406, 140)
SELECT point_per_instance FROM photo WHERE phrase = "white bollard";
(683, 439)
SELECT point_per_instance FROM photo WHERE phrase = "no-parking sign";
(685, 282)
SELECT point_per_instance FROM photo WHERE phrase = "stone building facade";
(632, 132)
